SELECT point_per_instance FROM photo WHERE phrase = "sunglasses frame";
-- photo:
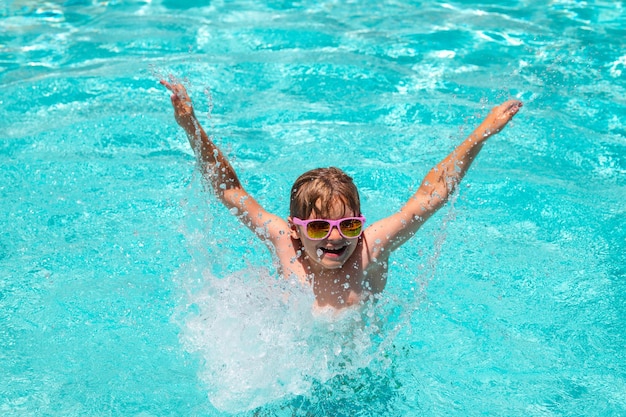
(333, 223)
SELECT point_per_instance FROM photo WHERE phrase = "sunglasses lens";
(351, 227)
(318, 229)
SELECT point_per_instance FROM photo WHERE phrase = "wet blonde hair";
(316, 191)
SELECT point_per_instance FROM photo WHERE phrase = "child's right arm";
(220, 174)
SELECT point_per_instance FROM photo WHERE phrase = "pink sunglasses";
(319, 229)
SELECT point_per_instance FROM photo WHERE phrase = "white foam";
(261, 340)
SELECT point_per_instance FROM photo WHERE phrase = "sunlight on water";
(125, 289)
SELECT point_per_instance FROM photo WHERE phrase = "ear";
(293, 229)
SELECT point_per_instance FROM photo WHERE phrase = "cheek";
(309, 246)
(352, 248)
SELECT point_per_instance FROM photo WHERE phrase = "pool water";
(126, 289)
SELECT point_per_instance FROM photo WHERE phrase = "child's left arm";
(439, 184)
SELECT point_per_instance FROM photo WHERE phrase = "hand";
(183, 108)
(498, 118)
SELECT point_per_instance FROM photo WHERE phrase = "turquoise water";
(126, 289)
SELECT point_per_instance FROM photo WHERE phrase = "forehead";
(336, 208)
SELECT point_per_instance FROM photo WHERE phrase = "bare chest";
(353, 282)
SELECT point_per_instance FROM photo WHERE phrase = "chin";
(335, 263)
(332, 265)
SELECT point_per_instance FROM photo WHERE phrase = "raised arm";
(220, 174)
(439, 183)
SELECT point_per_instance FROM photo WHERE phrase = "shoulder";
(374, 263)
(272, 227)
(380, 236)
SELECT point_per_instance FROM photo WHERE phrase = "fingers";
(179, 93)
(514, 106)
(507, 110)
(166, 84)
(511, 106)
(175, 87)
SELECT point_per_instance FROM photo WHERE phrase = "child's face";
(333, 251)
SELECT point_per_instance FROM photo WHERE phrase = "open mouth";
(333, 252)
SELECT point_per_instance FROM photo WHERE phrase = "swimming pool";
(122, 280)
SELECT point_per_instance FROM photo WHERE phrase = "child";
(323, 241)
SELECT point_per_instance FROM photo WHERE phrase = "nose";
(334, 234)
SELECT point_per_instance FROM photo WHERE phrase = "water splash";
(260, 340)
